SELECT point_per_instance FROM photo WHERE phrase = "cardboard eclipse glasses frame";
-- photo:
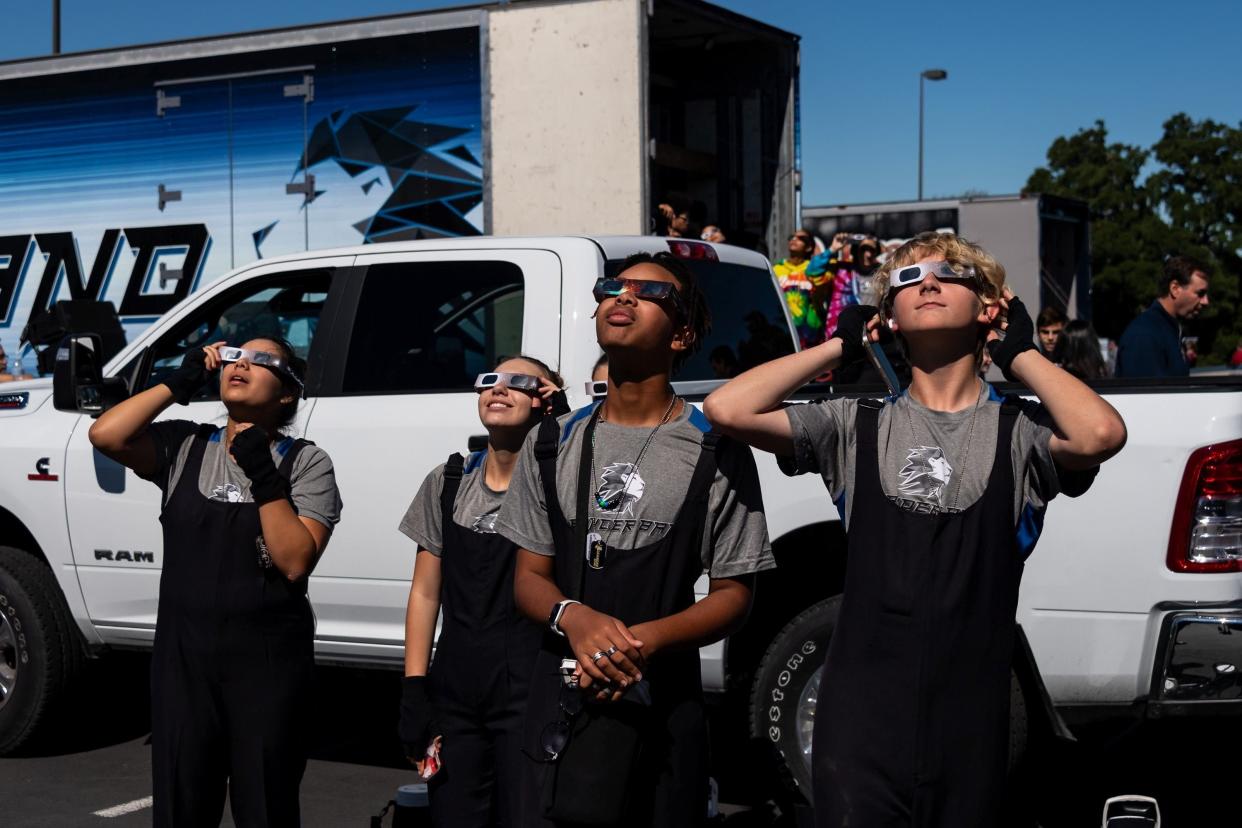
(517, 382)
(271, 361)
(915, 273)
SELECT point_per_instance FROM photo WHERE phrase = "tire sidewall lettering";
(777, 692)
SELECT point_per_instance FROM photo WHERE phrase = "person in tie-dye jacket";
(805, 294)
(848, 266)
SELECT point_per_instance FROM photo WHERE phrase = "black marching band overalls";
(480, 677)
(912, 717)
(635, 586)
(232, 666)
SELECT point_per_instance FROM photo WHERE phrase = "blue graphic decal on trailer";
(166, 175)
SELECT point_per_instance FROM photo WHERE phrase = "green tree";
(1191, 205)
(1199, 187)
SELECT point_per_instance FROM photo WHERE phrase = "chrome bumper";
(1198, 663)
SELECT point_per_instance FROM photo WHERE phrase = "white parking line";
(125, 808)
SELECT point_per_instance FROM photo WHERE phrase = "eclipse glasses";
(648, 289)
(272, 362)
(915, 273)
(517, 382)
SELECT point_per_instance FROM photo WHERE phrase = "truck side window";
(748, 320)
(433, 326)
(287, 305)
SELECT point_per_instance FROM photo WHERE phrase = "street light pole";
(56, 27)
(931, 75)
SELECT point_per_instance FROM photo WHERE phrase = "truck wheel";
(782, 710)
(782, 704)
(39, 652)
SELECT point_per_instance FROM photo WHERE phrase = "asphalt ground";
(96, 757)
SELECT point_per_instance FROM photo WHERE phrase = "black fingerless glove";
(850, 326)
(1019, 337)
(191, 376)
(418, 716)
(252, 451)
(558, 404)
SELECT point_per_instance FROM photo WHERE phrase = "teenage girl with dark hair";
(1078, 351)
(247, 513)
(474, 694)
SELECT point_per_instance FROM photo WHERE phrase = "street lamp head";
(935, 74)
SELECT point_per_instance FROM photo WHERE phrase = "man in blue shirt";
(1151, 345)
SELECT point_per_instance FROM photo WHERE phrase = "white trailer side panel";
(1009, 230)
(567, 118)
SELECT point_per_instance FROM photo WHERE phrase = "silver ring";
(610, 650)
(598, 655)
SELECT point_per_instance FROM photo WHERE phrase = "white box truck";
(139, 175)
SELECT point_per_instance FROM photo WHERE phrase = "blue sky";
(1020, 74)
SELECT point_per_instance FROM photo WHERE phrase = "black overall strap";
(547, 445)
(866, 441)
(575, 568)
(201, 438)
(452, 482)
(291, 454)
(705, 468)
(193, 460)
(1010, 409)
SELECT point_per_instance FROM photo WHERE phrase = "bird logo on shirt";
(926, 474)
(485, 524)
(620, 480)
(227, 493)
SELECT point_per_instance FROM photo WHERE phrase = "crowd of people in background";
(819, 280)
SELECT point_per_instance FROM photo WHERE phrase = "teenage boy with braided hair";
(617, 509)
(943, 490)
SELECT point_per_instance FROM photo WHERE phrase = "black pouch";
(591, 780)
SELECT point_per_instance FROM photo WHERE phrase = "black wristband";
(558, 404)
(251, 449)
(417, 716)
(1019, 338)
(851, 325)
(189, 377)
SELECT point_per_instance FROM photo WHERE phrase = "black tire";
(40, 651)
(788, 679)
(789, 672)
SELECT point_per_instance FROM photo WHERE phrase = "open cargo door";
(722, 104)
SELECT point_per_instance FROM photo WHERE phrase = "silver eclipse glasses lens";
(596, 389)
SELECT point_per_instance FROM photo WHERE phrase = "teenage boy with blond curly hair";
(943, 490)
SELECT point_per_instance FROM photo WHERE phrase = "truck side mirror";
(78, 383)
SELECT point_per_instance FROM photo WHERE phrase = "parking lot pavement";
(98, 760)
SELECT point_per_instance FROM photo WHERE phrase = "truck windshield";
(748, 320)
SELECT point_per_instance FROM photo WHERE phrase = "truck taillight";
(1207, 520)
(692, 250)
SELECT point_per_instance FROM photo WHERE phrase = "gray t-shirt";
(736, 538)
(931, 462)
(312, 478)
(475, 508)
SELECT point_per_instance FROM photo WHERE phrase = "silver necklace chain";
(609, 504)
(957, 484)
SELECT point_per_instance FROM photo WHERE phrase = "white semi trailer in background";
(139, 175)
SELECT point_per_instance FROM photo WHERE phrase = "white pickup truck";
(1128, 603)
